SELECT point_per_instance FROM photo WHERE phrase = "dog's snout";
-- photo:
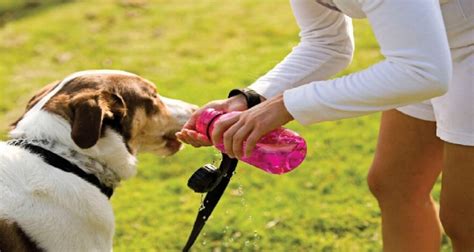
(179, 110)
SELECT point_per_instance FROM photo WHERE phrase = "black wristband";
(251, 96)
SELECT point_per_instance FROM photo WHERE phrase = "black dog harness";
(62, 164)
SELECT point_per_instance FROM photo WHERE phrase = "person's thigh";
(457, 194)
(408, 158)
(454, 111)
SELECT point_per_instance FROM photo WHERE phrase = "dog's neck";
(109, 160)
(106, 176)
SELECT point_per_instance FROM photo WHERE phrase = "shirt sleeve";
(417, 66)
(325, 48)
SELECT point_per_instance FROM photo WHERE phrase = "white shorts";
(454, 111)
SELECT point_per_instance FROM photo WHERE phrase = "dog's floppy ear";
(87, 117)
(115, 105)
(88, 112)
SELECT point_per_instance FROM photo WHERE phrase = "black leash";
(63, 164)
(227, 167)
(212, 198)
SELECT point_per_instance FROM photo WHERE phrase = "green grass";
(197, 51)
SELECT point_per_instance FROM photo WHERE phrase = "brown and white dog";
(97, 120)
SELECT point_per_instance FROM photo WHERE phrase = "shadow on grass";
(11, 10)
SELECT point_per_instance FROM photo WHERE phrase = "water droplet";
(204, 217)
(202, 206)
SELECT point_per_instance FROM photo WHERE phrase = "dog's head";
(108, 109)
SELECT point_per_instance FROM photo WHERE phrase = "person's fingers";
(220, 126)
(184, 136)
(228, 138)
(195, 139)
(199, 138)
(191, 123)
(251, 141)
(180, 137)
(189, 139)
(238, 139)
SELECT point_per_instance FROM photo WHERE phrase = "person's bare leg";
(457, 196)
(407, 162)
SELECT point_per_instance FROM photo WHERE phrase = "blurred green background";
(197, 51)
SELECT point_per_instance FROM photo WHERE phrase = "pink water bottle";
(278, 152)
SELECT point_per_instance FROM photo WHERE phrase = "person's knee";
(388, 188)
(380, 185)
(459, 227)
(377, 183)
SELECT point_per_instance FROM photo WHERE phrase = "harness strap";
(61, 163)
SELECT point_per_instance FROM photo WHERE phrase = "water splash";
(204, 241)
(202, 206)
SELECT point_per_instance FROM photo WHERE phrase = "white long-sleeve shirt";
(412, 38)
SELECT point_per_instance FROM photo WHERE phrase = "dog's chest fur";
(44, 200)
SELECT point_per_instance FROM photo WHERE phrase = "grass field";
(197, 51)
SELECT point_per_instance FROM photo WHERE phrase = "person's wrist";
(252, 98)
(236, 103)
(286, 114)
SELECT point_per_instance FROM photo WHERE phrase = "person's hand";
(189, 134)
(250, 126)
